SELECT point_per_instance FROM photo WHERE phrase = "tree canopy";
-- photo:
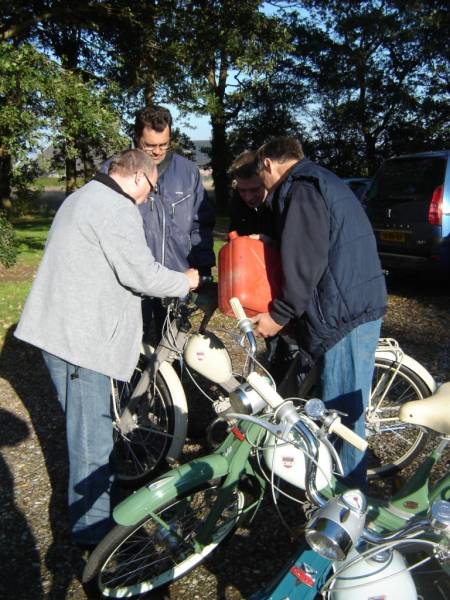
(357, 81)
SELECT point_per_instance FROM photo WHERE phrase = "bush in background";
(8, 242)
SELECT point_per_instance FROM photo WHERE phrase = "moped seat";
(432, 412)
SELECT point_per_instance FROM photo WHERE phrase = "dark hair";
(243, 166)
(280, 149)
(155, 117)
(131, 161)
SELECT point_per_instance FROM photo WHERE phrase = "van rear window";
(408, 179)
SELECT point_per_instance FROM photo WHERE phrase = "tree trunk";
(219, 162)
(371, 157)
(5, 178)
(71, 175)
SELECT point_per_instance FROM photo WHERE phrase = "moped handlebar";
(244, 323)
(274, 400)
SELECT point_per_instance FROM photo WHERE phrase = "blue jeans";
(85, 398)
(346, 379)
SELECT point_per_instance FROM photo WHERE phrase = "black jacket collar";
(111, 183)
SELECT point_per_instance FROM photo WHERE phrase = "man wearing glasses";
(178, 217)
(84, 313)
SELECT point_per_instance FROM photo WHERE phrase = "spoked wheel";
(144, 427)
(143, 558)
(393, 444)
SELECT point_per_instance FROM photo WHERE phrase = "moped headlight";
(245, 399)
(328, 539)
(337, 526)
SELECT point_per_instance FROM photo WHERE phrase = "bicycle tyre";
(145, 558)
(158, 417)
(394, 445)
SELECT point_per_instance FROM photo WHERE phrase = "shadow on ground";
(23, 367)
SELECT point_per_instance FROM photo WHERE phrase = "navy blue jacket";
(246, 220)
(333, 277)
(178, 217)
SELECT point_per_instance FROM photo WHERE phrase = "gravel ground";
(36, 558)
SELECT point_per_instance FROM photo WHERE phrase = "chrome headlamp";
(246, 400)
(336, 527)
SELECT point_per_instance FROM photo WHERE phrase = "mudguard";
(178, 396)
(408, 361)
(149, 498)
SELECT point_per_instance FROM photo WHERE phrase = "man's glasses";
(152, 187)
(153, 147)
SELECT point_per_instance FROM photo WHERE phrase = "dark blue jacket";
(178, 217)
(246, 220)
(333, 277)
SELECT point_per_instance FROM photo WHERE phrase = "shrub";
(8, 242)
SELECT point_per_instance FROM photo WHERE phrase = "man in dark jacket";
(334, 287)
(178, 218)
(248, 211)
(250, 214)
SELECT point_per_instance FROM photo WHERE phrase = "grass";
(51, 182)
(12, 298)
(15, 283)
(31, 234)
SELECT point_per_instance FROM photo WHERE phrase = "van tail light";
(435, 208)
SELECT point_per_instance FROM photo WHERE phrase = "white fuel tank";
(206, 354)
(368, 579)
(288, 462)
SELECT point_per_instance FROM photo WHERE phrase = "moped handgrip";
(265, 390)
(245, 324)
(347, 434)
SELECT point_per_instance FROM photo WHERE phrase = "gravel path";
(36, 558)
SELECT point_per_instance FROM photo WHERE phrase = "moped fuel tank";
(206, 354)
(369, 578)
(288, 462)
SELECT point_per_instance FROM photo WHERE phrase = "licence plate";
(393, 236)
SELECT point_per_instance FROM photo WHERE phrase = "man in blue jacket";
(178, 217)
(334, 291)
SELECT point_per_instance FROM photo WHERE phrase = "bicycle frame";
(307, 572)
(232, 460)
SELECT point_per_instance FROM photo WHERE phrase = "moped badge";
(304, 575)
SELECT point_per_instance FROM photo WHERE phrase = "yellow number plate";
(393, 236)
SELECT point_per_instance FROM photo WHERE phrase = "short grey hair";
(131, 161)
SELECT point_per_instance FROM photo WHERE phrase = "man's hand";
(194, 278)
(265, 326)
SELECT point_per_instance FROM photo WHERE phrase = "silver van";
(408, 205)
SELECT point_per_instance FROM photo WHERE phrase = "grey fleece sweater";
(85, 305)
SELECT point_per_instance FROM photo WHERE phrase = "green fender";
(168, 486)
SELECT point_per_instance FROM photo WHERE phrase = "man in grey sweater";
(84, 312)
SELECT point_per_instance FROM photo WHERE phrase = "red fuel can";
(250, 271)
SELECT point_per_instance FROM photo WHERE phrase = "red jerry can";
(251, 271)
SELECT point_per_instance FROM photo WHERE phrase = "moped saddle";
(432, 412)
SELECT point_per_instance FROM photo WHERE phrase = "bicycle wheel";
(143, 558)
(392, 444)
(147, 425)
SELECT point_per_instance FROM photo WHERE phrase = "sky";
(197, 128)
